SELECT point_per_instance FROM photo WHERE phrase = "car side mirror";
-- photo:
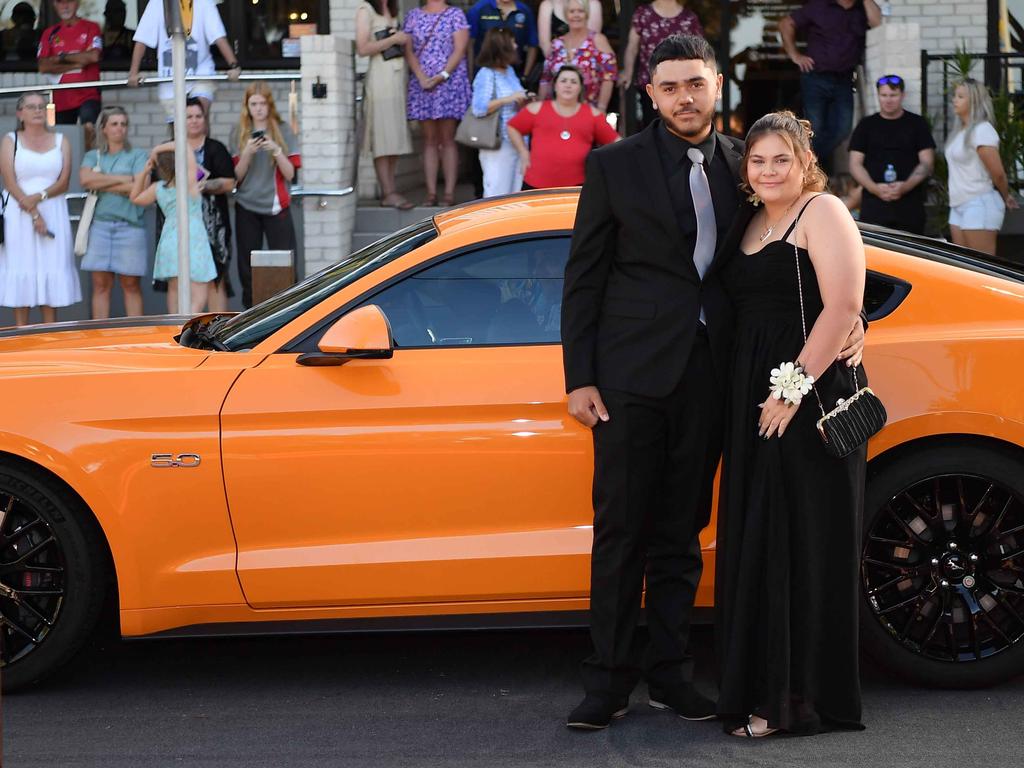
(362, 334)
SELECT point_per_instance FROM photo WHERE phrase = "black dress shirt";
(676, 165)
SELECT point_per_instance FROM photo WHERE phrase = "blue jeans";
(828, 104)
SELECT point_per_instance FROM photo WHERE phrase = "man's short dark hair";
(675, 47)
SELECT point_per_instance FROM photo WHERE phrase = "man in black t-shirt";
(891, 154)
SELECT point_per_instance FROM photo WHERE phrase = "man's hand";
(134, 79)
(806, 63)
(586, 406)
(853, 347)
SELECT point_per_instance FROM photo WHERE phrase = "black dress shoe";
(597, 710)
(685, 701)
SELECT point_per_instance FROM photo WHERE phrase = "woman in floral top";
(588, 51)
(652, 23)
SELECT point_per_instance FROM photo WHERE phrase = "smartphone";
(258, 134)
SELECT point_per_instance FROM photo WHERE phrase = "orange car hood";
(119, 344)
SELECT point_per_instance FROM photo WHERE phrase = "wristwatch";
(234, 65)
(43, 195)
(278, 152)
(62, 57)
(444, 74)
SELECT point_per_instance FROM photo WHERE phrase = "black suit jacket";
(632, 295)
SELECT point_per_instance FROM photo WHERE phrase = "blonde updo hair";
(797, 134)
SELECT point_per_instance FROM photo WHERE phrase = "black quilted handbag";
(853, 421)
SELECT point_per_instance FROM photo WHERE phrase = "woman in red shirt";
(562, 132)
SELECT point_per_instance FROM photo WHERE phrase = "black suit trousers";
(654, 465)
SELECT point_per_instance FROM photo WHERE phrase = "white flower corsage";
(790, 383)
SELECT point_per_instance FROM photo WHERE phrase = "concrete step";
(374, 218)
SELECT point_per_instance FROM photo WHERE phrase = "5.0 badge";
(175, 460)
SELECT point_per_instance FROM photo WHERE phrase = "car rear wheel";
(942, 566)
(51, 577)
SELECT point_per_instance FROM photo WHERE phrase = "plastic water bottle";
(890, 174)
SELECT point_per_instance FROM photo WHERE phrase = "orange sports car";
(386, 444)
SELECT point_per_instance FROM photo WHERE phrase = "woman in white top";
(496, 88)
(978, 191)
(37, 266)
(553, 21)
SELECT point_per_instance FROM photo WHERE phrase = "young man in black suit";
(646, 333)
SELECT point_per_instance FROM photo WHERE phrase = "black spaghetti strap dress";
(789, 520)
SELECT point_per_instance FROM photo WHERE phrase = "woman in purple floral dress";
(590, 52)
(652, 23)
(439, 91)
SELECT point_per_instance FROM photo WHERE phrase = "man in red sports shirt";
(69, 52)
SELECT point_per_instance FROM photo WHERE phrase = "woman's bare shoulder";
(534, 107)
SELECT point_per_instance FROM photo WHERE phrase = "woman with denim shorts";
(978, 191)
(117, 237)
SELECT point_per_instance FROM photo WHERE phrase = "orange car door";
(448, 473)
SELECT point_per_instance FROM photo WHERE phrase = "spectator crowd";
(526, 93)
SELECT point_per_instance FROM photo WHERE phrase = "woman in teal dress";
(163, 192)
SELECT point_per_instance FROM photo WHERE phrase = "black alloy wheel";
(942, 566)
(51, 577)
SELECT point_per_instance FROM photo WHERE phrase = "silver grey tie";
(704, 208)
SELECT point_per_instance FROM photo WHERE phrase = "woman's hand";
(1011, 201)
(426, 83)
(625, 78)
(518, 98)
(252, 146)
(39, 223)
(524, 161)
(396, 38)
(775, 417)
(267, 144)
(29, 202)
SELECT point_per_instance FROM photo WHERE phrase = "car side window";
(507, 293)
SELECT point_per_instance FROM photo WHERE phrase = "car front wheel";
(942, 566)
(51, 577)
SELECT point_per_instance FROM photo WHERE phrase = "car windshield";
(249, 328)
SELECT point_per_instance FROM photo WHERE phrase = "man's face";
(66, 9)
(890, 100)
(685, 92)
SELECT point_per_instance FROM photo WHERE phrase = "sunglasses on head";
(895, 80)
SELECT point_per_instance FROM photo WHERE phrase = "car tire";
(52, 573)
(958, 623)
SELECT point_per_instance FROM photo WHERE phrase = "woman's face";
(568, 87)
(258, 108)
(961, 102)
(195, 121)
(33, 111)
(575, 14)
(115, 129)
(773, 171)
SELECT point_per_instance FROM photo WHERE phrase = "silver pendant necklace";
(768, 232)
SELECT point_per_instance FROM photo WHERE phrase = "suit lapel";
(651, 176)
(730, 243)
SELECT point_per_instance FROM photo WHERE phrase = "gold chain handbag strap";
(803, 314)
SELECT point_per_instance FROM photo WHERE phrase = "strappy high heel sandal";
(748, 732)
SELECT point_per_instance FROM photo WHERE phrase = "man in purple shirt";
(835, 32)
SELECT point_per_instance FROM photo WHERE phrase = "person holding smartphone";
(266, 157)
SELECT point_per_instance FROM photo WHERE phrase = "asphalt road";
(456, 699)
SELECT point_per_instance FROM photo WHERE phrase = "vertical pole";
(176, 30)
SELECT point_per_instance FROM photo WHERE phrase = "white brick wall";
(328, 140)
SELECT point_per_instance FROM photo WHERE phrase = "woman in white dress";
(37, 265)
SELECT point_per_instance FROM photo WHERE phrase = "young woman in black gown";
(789, 514)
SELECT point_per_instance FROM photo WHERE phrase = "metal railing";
(17, 90)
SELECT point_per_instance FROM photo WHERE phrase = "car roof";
(556, 202)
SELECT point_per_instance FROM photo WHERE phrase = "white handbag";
(85, 221)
